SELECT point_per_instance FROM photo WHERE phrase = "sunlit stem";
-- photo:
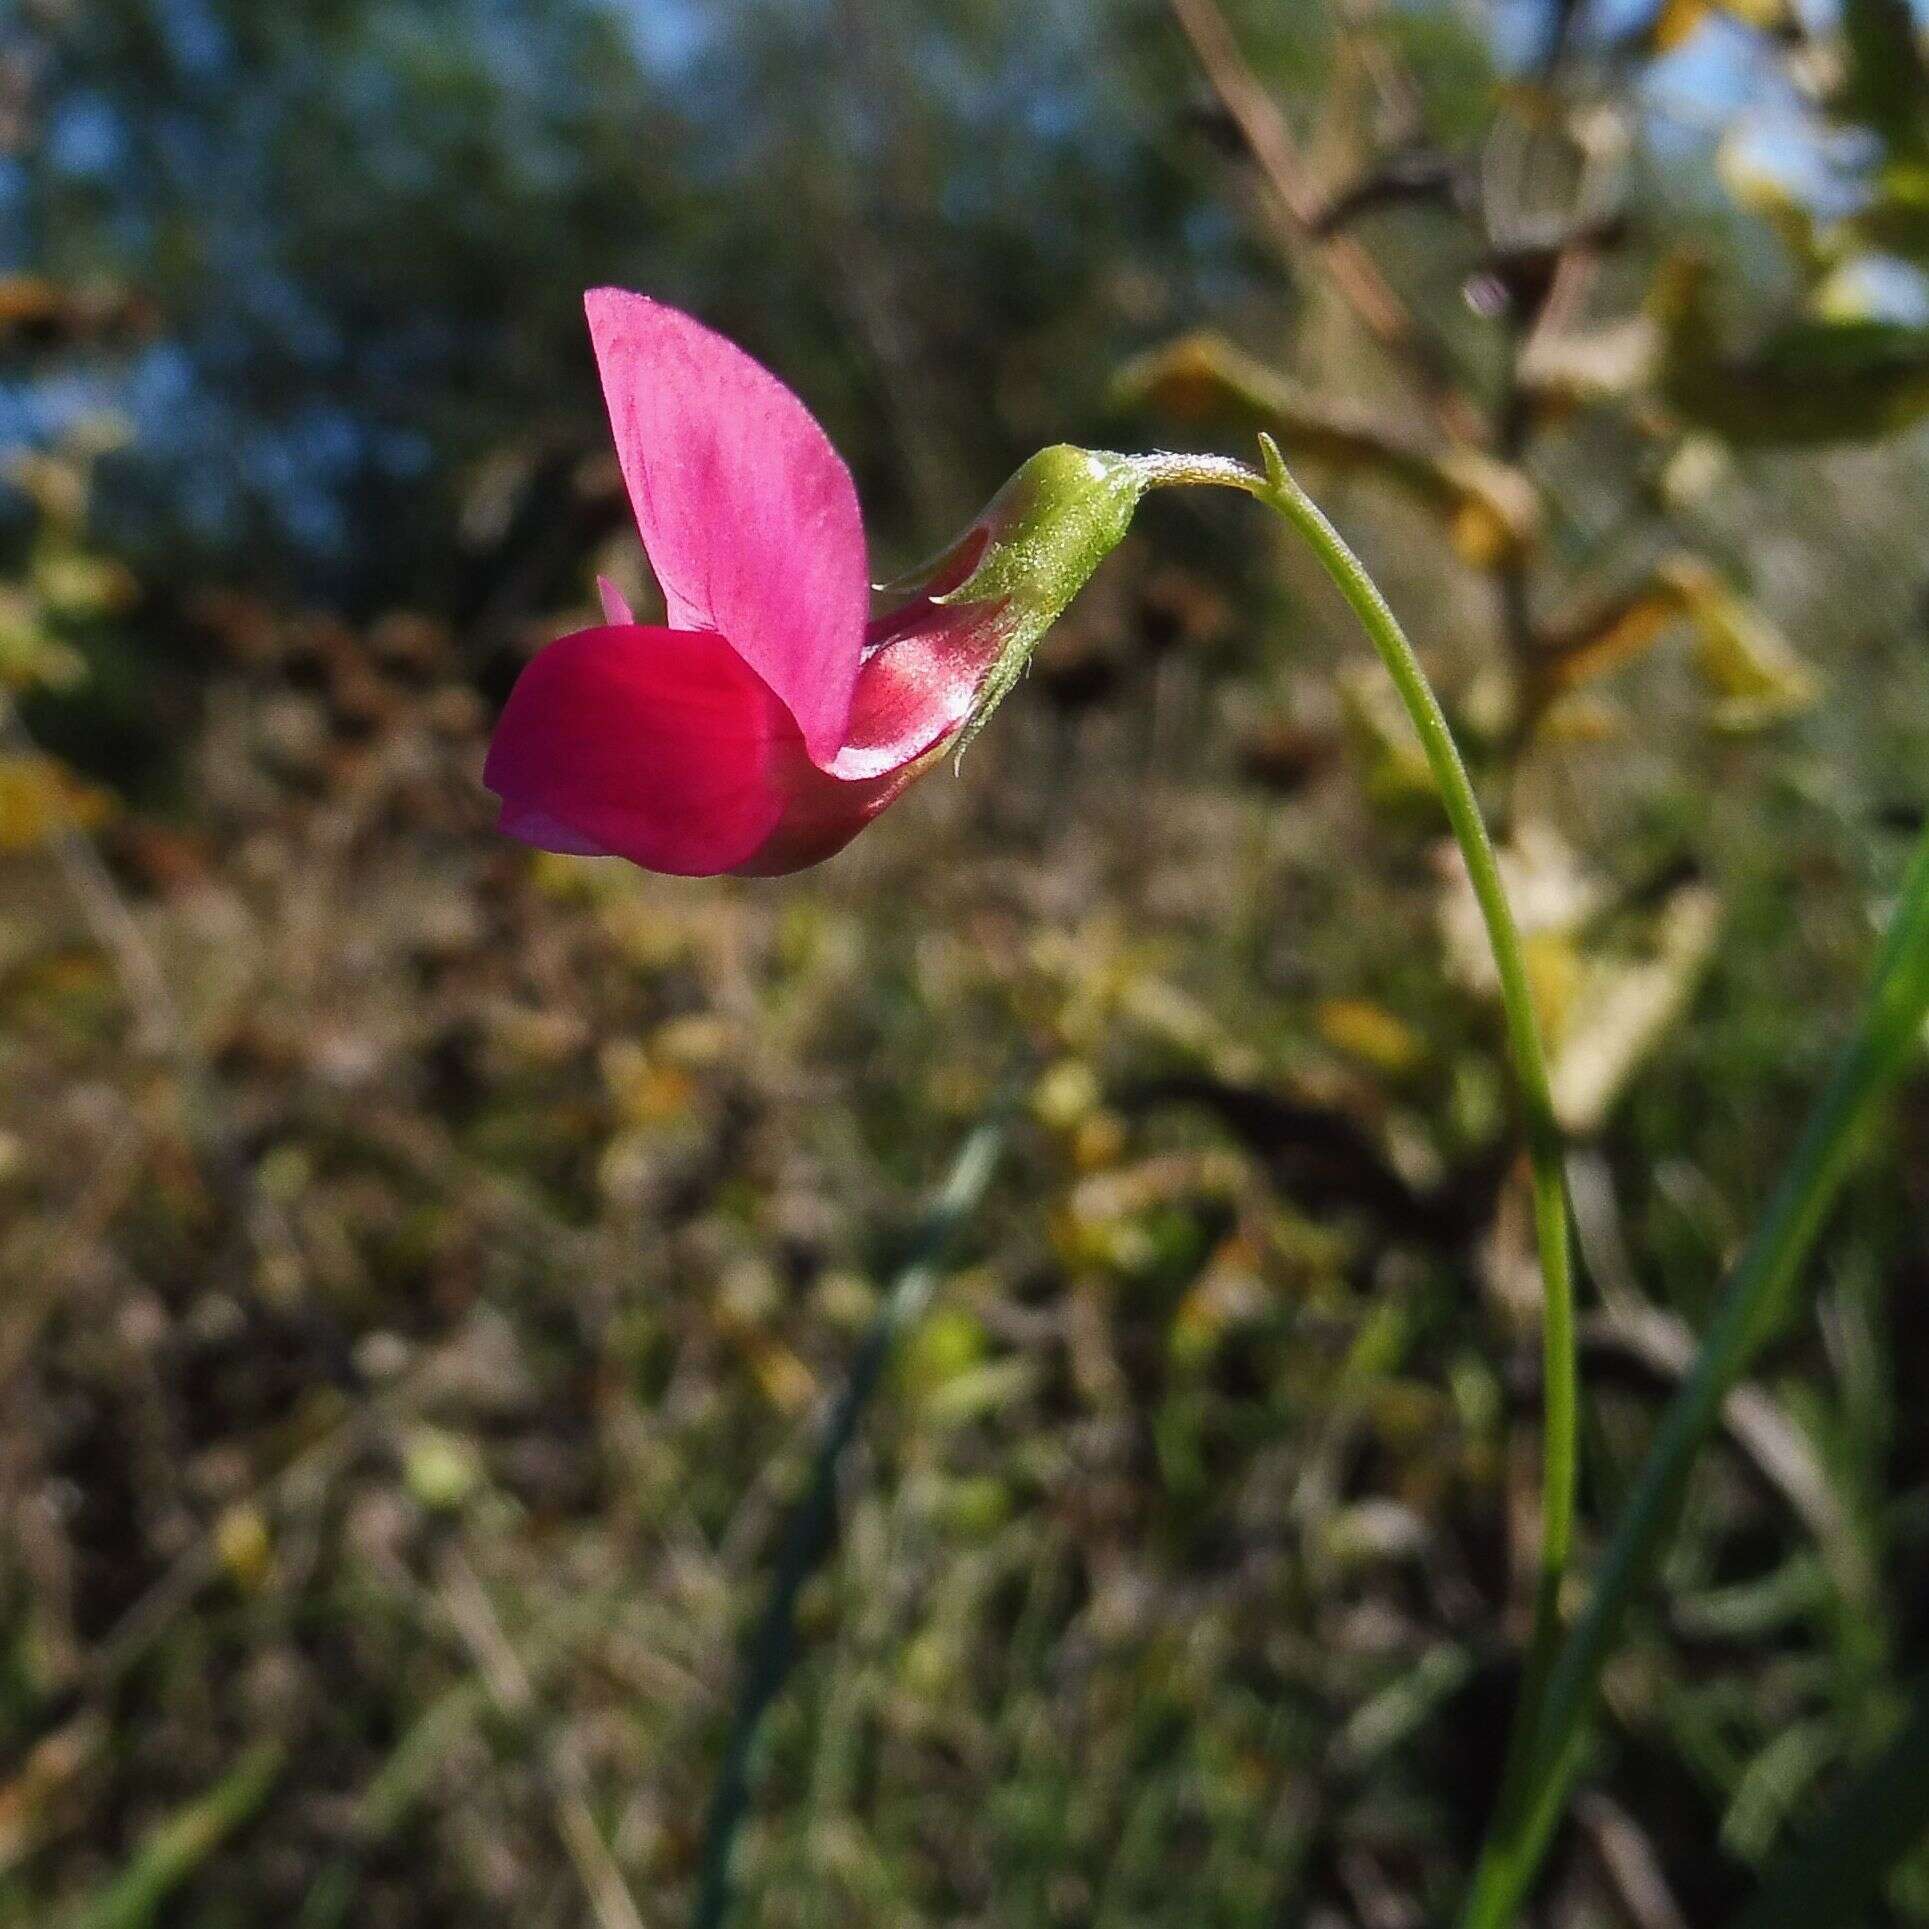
(1560, 1424)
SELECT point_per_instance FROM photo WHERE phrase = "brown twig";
(1341, 257)
(1630, 1863)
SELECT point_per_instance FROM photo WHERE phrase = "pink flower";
(769, 720)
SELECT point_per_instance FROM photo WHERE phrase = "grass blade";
(171, 1852)
(1757, 1299)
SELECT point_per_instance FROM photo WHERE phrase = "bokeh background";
(421, 1261)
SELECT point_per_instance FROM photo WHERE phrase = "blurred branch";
(1631, 1863)
(1418, 175)
(1490, 509)
(1350, 268)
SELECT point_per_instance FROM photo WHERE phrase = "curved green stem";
(1560, 1455)
(1561, 1379)
(813, 1524)
(1557, 1698)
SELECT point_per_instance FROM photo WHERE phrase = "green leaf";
(1751, 669)
(1887, 85)
(1811, 382)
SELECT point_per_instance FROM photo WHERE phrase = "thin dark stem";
(812, 1530)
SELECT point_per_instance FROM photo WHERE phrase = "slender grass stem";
(812, 1529)
(1755, 1301)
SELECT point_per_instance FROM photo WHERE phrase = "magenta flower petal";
(768, 724)
(922, 669)
(749, 515)
(531, 826)
(662, 746)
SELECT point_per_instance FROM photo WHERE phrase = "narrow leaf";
(1758, 1298)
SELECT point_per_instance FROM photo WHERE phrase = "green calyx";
(1037, 543)
(1038, 540)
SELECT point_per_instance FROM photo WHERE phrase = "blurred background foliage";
(422, 1261)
